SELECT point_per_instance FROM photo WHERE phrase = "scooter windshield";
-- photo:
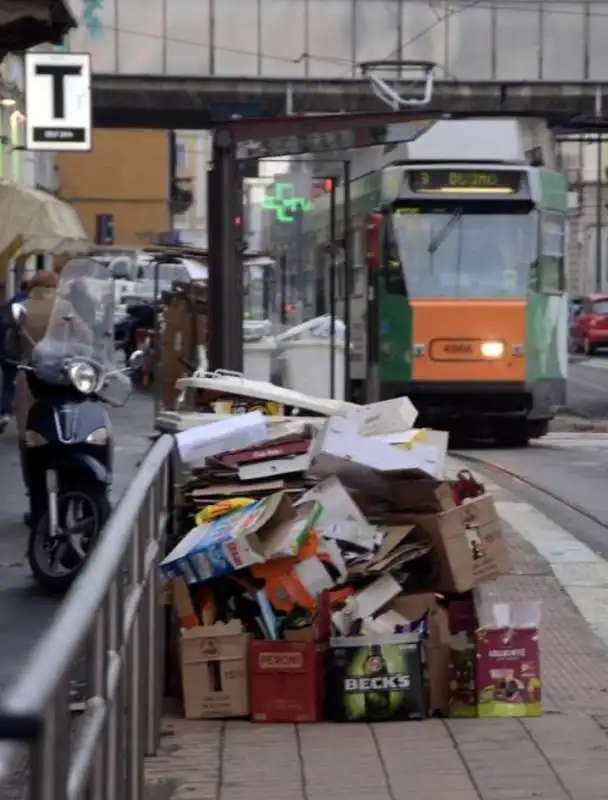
(81, 325)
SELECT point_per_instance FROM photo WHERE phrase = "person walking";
(10, 355)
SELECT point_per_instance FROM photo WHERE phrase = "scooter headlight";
(83, 376)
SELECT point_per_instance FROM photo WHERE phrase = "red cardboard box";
(286, 681)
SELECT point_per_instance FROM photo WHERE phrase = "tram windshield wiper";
(441, 234)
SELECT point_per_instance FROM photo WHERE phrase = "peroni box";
(375, 678)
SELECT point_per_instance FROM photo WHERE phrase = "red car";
(589, 327)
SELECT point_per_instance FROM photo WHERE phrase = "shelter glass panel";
(564, 27)
(236, 40)
(330, 38)
(470, 41)
(377, 30)
(187, 37)
(283, 37)
(518, 41)
(140, 37)
(423, 31)
(96, 34)
(598, 39)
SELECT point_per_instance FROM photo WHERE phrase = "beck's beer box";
(375, 678)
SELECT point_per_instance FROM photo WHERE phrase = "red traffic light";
(328, 184)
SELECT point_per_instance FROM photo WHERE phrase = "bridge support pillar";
(225, 225)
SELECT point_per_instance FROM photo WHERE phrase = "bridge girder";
(198, 103)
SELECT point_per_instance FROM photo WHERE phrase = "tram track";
(496, 470)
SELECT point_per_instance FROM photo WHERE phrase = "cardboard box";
(508, 660)
(270, 528)
(429, 445)
(495, 670)
(340, 518)
(384, 417)
(422, 496)
(286, 681)
(421, 614)
(375, 678)
(213, 661)
(360, 462)
(468, 544)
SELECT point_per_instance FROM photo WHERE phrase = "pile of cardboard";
(332, 573)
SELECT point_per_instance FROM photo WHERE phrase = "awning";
(32, 221)
(27, 23)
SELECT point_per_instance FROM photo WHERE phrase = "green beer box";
(375, 678)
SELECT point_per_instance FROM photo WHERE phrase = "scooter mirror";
(136, 359)
(19, 313)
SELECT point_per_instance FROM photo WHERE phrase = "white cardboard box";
(386, 416)
(363, 462)
(418, 440)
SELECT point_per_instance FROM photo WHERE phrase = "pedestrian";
(10, 355)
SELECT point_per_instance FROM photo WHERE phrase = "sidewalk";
(561, 756)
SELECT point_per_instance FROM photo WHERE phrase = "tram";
(458, 279)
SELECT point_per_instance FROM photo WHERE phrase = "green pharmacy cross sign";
(284, 202)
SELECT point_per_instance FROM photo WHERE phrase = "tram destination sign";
(467, 181)
(321, 134)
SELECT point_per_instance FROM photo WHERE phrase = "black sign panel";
(465, 181)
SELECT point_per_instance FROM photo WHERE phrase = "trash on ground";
(330, 571)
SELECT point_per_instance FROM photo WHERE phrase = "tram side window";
(553, 251)
(394, 281)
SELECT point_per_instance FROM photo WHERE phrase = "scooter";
(68, 446)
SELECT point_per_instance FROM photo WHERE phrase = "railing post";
(115, 725)
(49, 753)
(135, 673)
(154, 628)
(98, 690)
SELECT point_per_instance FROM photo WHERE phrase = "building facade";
(17, 165)
(125, 178)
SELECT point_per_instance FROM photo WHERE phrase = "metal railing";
(113, 614)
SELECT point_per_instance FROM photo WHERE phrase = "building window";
(180, 156)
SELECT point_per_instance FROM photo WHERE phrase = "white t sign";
(58, 103)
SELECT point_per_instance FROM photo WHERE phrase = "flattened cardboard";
(340, 517)
(213, 662)
(399, 545)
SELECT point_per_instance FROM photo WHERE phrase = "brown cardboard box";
(438, 656)
(437, 651)
(468, 543)
(214, 671)
(422, 495)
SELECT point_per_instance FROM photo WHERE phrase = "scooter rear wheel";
(84, 509)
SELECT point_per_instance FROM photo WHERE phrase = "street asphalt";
(25, 612)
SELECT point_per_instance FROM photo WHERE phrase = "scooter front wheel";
(83, 510)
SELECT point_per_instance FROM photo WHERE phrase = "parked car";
(589, 324)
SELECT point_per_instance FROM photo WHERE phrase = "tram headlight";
(492, 349)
